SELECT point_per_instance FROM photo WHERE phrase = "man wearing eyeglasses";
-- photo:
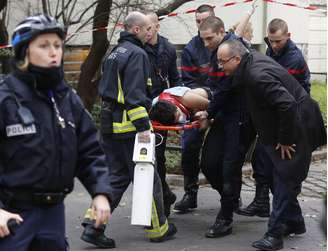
(225, 144)
(284, 51)
(289, 124)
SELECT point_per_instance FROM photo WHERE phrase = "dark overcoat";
(282, 112)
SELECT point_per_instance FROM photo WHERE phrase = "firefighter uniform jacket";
(124, 89)
(291, 58)
(195, 63)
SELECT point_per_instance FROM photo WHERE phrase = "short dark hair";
(205, 8)
(163, 112)
(277, 24)
(213, 23)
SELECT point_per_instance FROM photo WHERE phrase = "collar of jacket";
(158, 50)
(127, 36)
(289, 45)
(238, 76)
(199, 40)
(26, 84)
(226, 37)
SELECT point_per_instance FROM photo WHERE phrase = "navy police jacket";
(125, 87)
(195, 63)
(44, 156)
(291, 58)
(163, 61)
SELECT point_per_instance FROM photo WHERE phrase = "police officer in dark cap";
(46, 139)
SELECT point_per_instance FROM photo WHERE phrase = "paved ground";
(191, 227)
(314, 186)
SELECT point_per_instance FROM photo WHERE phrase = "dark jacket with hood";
(282, 112)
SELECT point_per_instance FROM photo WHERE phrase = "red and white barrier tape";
(5, 46)
(310, 7)
(174, 14)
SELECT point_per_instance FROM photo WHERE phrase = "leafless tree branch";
(171, 7)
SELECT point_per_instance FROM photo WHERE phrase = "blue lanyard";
(60, 119)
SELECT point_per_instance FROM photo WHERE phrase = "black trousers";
(223, 154)
(191, 142)
(43, 228)
(161, 137)
(285, 206)
(119, 154)
(261, 164)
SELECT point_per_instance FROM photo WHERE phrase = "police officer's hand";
(144, 137)
(286, 150)
(4, 218)
(100, 209)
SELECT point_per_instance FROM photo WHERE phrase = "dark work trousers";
(247, 137)
(262, 165)
(161, 137)
(119, 153)
(43, 228)
(191, 142)
(285, 206)
(222, 155)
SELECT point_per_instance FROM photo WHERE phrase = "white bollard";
(142, 194)
(142, 198)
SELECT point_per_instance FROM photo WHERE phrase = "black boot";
(189, 199)
(260, 206)
(188, 202)
(169, 198)
(291, 228)
(268, 243)
(221, 227)
(97, 237)
(172, 230)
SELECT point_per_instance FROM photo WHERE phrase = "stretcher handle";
(159, 127)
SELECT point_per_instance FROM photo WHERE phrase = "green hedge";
(319, 93)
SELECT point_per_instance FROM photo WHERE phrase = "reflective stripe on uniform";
(149, 82)
(137, 113)
(120, 95)
(123, 127)
(157, 230)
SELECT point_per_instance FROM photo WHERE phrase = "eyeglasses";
(222, 62)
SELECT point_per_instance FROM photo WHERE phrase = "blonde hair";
(22, 65)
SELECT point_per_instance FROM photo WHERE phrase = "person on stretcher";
(178, 104)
